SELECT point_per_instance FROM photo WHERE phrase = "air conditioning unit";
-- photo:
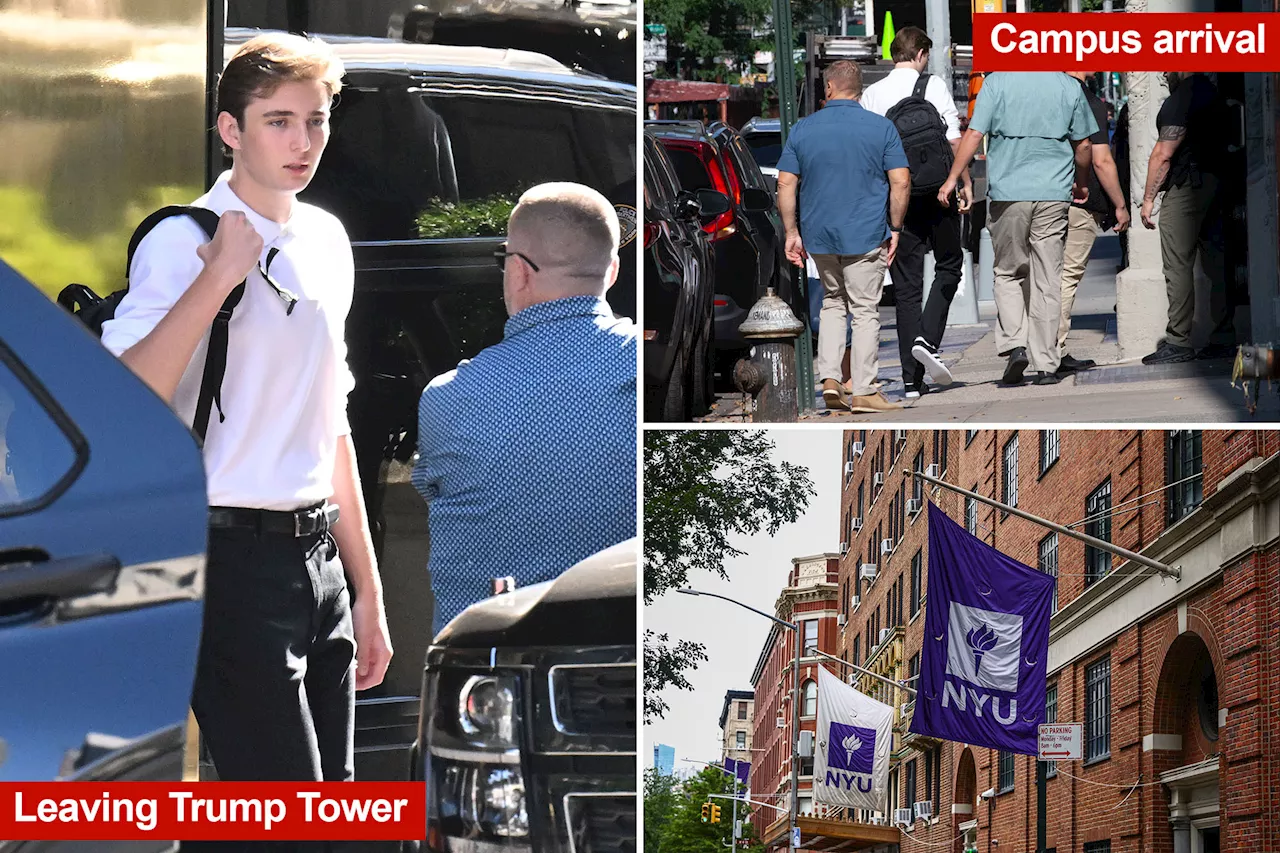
(885, 633)
(844, 548)
(840, 619)
(855, 600)
(933, 471)
(878, 479)
(902, 816)
(782, 721)
(876, 820)
(848, 468)
(886, 546)
(857, 523)
(913, 506)
(856, 448)
(867, 571)
(899, 435)
(924, 810)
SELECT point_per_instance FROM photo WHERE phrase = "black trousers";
(928, 226)
(275, 681)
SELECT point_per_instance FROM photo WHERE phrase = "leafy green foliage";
(673, 814)
(700, 32)
(701, 488)
(481, 217)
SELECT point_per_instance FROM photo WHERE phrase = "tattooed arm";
(1170, 138)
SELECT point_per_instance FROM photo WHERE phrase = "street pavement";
(1115, 391)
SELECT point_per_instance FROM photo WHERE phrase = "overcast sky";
(734, 637)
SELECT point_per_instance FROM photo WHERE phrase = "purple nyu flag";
(986, 624)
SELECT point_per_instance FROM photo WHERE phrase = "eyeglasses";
(500, 256)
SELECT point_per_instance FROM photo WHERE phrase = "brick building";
(1176, 681)
(812, 598)
(737, 724)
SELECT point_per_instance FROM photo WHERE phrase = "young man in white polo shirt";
(928, 225)
(283, 648)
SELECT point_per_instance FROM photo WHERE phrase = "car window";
(406, 162)
(653, 184)
(746, 164)
(690, 169)
(37, 454)
(666, 173)
(766, 148)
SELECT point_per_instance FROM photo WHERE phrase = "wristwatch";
(897, 230)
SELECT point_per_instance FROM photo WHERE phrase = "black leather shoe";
(1043, 378)
(1216, 351)
(1017, 363)
(1169, 354)
(1070, 364)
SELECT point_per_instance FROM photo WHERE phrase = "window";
(1097, 710)
(933, 779)
(969, 436)
(893, 790)
(917, 579)
(1010, 473)
(810, 706)
(741, 740)
(1097, 510)
(1049, 440)
(1051, 716)
(861, 495)
(913, 667)
(902, 589)
(857, 651)
(1049, 563)
(810, 635)
(941, 458)
(37, 459)
(917, 485)
(806, 766)
(911, 781)
(742, 710)
(1097, 846)
(1184, 473)
(806, 804)
(971, 514)
(1006, 772)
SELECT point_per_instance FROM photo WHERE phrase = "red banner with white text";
(1139, 41)
(213, 811)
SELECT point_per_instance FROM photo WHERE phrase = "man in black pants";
(928, 225)
(283, 647)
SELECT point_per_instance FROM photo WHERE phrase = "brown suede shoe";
(872, 403)
(835, 395)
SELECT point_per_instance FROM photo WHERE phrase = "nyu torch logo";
(851, 757)
(984, 650)
(982, 640)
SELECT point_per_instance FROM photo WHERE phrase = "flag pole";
(1163, 569)
(877, 676)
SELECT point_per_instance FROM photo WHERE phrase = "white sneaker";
(926, 355)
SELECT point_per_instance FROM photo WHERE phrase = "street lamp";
(794, 812)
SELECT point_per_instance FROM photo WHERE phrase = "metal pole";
(795, 744)
(734, 844)
(877, 676)
(1101, 544)
(937, 16)
(1040, 807)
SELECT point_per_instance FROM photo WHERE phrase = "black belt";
(303, 522)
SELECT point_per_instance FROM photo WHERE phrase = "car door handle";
(57, 579)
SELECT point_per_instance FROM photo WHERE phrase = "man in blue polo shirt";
(848, 168)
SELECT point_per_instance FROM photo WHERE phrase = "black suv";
(748, 238)
(679, 286)
(527, 739)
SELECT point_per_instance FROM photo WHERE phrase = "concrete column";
(1142, 305)
(1181, 835)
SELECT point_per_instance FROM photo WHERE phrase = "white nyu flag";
(855, 734)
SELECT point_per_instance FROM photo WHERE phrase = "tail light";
(651, 230)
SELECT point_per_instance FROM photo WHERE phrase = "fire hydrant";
(1254, 364)
(770, 374)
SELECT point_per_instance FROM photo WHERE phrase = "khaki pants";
(1183, 218)
(851, 284)
(1082, 231)
(1029, 238)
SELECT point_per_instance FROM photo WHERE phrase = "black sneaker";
(927, 354)
(916, 391)
(1013, 370)
(1043, 378)
(1217, 351)
(1168, 353)
(1070, 364)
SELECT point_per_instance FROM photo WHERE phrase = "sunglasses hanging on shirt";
(286, 296)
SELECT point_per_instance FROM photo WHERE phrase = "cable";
(1137, 784)
(1140, 497)
(932, 843)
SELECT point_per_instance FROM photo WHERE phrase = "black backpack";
(924, 139)
(94, 310)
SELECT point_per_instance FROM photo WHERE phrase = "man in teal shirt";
(1038, 162)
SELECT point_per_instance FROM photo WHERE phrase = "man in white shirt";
(283, 648)
(928, 225)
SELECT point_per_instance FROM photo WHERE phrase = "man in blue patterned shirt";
(527, 452)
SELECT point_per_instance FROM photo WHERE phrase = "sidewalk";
(1115, 391)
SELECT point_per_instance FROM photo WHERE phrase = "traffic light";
(706, 812)
(715, 813)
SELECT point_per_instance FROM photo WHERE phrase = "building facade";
(1175, 680)
(737, 725)
(811, 597)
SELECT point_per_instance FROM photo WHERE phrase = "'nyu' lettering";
(951, 694)
(836, 779)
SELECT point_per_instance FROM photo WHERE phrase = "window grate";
(1097, 509)
(1049, 563)
(1051, 716)
(1184, 470)
(1097, 714)
(1006, 772)
(1010, 484)
(1050, 440)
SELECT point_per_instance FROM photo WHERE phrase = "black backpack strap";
(922, 83)
(215, 362)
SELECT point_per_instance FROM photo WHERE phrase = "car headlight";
(476, 791)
